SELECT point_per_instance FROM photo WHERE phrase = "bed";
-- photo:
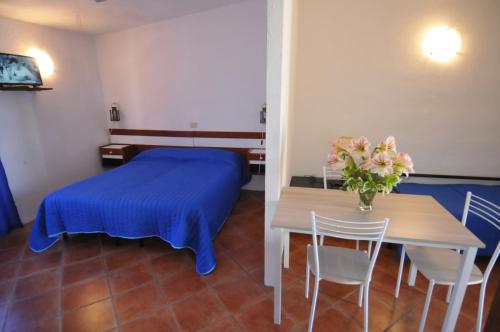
(452, 197)
(181, 195)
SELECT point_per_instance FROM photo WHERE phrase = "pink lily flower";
(381, 164)
(359, 149)
(340, 146)
(336, 161)
(389, 146)
(403, 161)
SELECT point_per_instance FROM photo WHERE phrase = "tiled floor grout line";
(232, 315)
(15, 281)
(108, 282)
(61, 300)
(10, 299)
(157, 281)
(270, 296)
(66, 312)
(403, 315)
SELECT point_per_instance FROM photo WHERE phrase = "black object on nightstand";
(113, 155)
(314, 182)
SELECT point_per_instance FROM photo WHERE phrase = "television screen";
(18, 70)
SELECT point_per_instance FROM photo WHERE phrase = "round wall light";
(43, 60)
(442, 44)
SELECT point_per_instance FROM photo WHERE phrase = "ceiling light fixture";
(442, 44)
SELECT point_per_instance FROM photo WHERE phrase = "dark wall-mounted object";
(114, 113)
(263, 114)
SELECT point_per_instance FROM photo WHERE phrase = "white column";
(278, 85)
(279, 40)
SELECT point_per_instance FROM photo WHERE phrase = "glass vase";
(366, 200)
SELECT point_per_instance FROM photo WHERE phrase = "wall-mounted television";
(19, 70)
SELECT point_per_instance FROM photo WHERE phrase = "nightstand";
(257, 161)
(116, 154)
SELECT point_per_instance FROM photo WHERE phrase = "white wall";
(360, 71)
(280, 42)
(49, 139)
(207, 68)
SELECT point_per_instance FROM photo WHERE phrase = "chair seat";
(340, 265)
(440, 265)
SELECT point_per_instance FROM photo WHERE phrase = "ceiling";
(101, 17)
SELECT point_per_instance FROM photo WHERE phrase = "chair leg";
(400, 272)
(360, 296)
(412, 276)
(426, 306)
(369, 248)
(448, 294)
(365, 308)
(286, 250)
(313, 304)
(321, 240)
(357, 244)
(480, 306)
(308, 272)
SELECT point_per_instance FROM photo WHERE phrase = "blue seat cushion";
(452, 197)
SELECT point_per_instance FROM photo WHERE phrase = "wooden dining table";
(413, 219)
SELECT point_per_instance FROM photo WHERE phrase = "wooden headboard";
(191, 133)
(237, 141)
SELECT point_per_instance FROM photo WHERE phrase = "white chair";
(441, 266)
(343, 265)
(330, 174)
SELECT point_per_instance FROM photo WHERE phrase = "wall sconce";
(114, 113)
(43, 60)
(263, 114)
(442, 44)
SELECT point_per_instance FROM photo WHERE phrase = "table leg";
(467, 261)
(412, 275)
(277, 281)
(286, 249)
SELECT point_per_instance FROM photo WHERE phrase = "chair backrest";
(350, 230)
(492, 262)
(330, 173)
(482, 208)
(487, 211)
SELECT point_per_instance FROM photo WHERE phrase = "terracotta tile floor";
(90, 284)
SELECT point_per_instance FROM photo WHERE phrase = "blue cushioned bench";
(452, 197)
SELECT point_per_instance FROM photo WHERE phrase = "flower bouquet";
(368, 173)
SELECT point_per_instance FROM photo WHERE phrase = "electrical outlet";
(193, 125)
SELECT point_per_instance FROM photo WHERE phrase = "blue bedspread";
(452, 197)
(182, 195)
